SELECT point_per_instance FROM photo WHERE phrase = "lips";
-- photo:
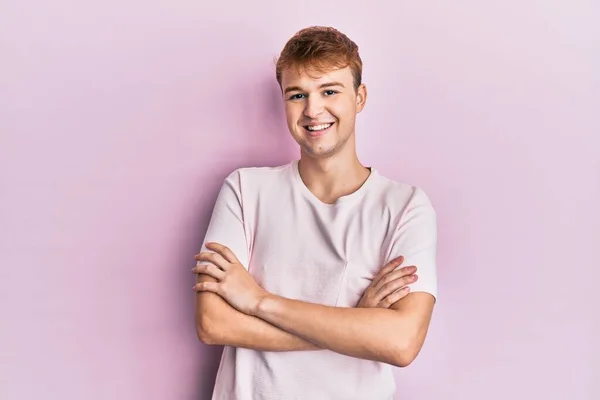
(316, 130)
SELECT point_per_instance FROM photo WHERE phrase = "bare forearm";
(220, 324)
(374, 333)
(233, 328)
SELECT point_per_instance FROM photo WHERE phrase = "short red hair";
(320, 48)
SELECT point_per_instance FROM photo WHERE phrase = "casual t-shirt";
(296, 246)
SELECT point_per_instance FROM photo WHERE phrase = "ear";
(361, 97)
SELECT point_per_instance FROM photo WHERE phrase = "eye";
(329, 92)
(296, 96)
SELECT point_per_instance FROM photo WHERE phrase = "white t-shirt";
(296, 246)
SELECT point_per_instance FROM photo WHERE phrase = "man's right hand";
(389, 285)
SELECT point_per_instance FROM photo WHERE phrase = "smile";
(318, 130)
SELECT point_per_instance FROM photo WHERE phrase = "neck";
(332, 177)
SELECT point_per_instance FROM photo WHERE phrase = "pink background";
(120, 119)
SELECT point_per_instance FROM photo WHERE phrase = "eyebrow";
(324, 85)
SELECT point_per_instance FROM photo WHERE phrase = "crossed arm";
(217, 323)
(231, 309)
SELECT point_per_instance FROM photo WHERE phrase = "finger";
(206, 287)
(224, 251)
(399, 294)
(394, 285)
(213, 258)
(210, 270)
(393, 275)
(389, 267)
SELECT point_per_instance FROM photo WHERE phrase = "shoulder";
(255, 178)
(402, 196)
(266, 172)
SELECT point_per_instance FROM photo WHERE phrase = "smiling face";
(321, 108)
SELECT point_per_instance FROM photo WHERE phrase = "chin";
(319, 151)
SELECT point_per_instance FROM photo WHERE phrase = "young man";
(318, 275)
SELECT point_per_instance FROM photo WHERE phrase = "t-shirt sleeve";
(415, 238)
(226, 224)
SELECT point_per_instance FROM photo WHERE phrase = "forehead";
(308, 77)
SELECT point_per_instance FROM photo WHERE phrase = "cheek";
(291, 114)
(342, 110)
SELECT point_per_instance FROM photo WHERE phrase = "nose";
(314, 107)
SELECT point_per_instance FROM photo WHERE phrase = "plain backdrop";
(120, 119)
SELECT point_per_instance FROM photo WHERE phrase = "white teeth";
(318, 127)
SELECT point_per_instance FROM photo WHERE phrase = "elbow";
(402, 360)
(205, 330)
(212, 316)
(204, 336)
(404, 354)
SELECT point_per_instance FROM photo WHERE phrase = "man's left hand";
(234, 282)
